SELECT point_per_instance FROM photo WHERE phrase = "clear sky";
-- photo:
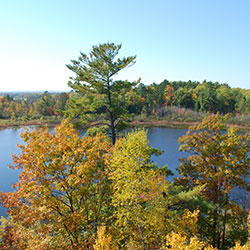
(172, 39)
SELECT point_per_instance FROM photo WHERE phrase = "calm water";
(162, 138)
(8, 140)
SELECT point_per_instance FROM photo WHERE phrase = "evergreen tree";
(102, 99)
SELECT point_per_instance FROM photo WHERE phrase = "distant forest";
(142, 101)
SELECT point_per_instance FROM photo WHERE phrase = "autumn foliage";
(62, 194)
(219, 162)
(81, 192)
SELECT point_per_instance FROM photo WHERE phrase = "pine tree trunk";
(112, 125)
(113, 135)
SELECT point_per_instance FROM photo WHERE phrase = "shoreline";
(150, 123)
(177, 124)
(163, 123)
(28, 123)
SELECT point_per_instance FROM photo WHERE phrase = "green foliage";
(172, 101)
(32, 106)
(201, 97)
(183, 98)
(101, 99)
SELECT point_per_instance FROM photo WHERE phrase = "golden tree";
(141, 213)
(63, 194)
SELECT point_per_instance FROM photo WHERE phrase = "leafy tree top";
(94, 73)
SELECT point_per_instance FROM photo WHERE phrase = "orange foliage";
(62, 194)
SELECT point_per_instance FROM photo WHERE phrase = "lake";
(165, 139)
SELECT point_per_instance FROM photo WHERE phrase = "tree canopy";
(219, 162)
(62, 195)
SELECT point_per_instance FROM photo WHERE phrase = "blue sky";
(172, 39)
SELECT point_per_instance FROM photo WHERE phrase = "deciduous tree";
(139, 197)
(218, 160)
(63, 194)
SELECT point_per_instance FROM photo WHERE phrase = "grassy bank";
(183, 118)
(176, 124)
(50, 121)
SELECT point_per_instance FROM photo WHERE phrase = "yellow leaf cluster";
(140, 212)
(176, 241)
(103, 240)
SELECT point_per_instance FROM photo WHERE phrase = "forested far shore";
(172, 101)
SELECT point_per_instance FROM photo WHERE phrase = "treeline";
(27, 106)
(203, 97)
(143, 101)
